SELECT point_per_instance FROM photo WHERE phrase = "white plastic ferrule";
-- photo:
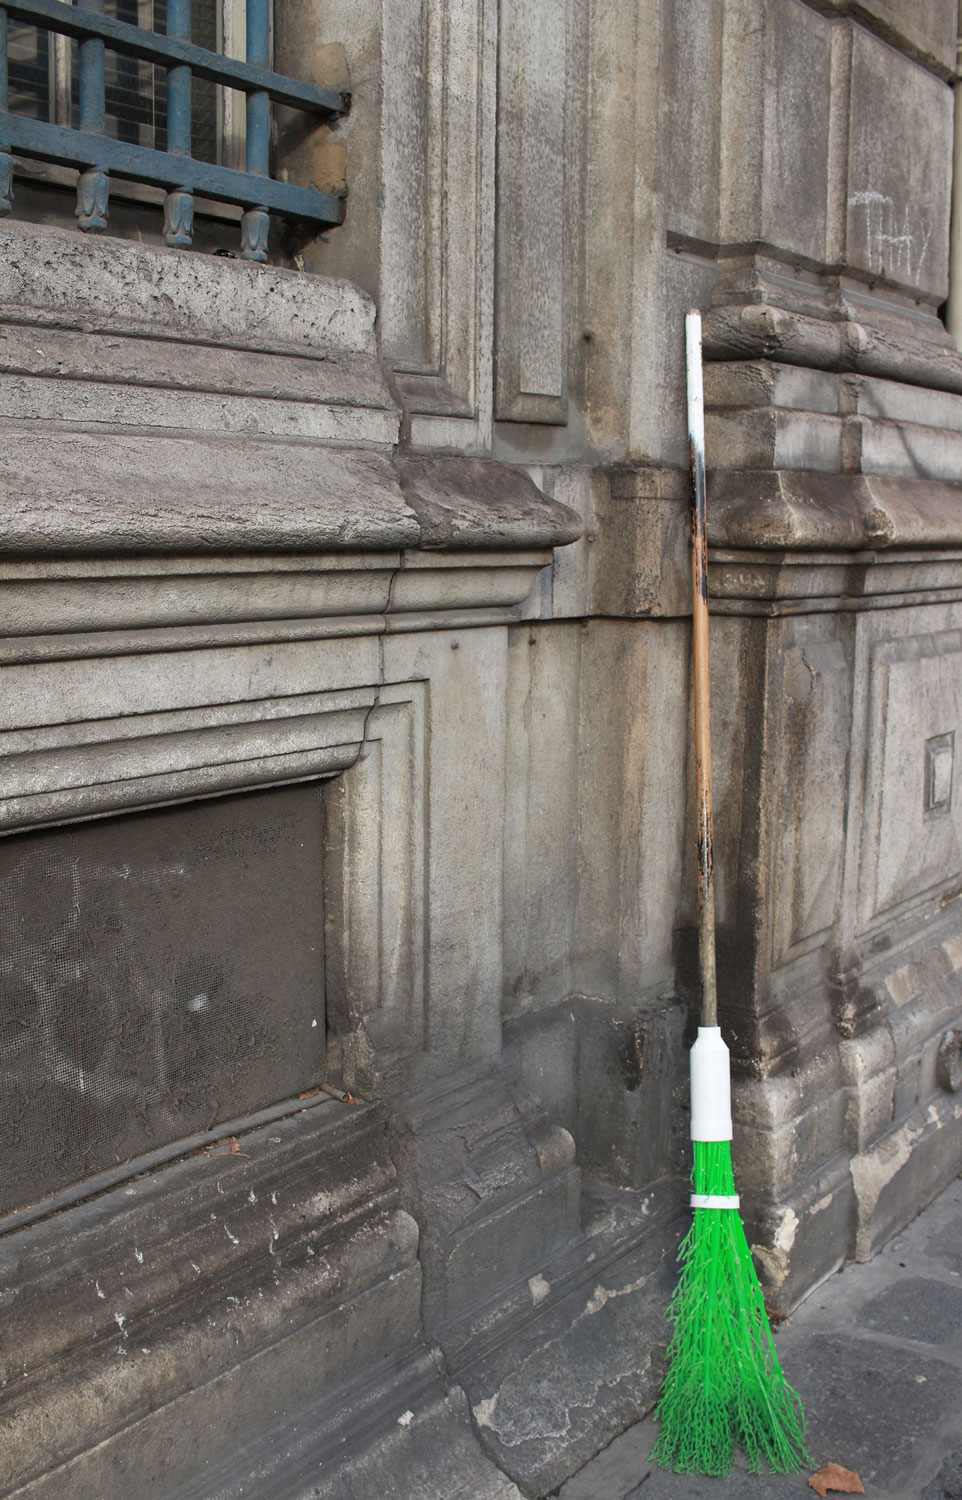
(711, 1089)
(714, 1200)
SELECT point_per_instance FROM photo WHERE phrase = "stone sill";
(154, 404)
(89, 494)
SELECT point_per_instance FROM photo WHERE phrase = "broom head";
(724, 1385)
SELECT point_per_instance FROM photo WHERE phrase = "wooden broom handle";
(700, 668)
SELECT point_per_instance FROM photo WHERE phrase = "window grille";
(129, 89)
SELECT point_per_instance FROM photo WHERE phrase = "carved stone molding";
(898, 351)
(908, 849)
(164, 1297)
(376, 908)
(153, 682)
(531, 382)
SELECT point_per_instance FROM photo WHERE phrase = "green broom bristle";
(724, 1384)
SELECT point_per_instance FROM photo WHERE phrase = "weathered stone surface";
(898, 184)
(550, 1397)
(929, 26)
(641, 553)
(540, 857)
(885, 346)
(57, 277)
(773, 439)
(916, 699)
(896, 448)
(630, 1069)
(65, 356)
(408, 1432)
(912, 1161)
(828, 512)
(626, 925)
(141, 494)
(776, 62)
(461, 758)
(147, 1336)
(946, 1246)
(745, 384)
(493, 1181)
(947, 1484)
(796, 1245)
(420, 154)
(178, 722)
(473, 502)
(693, 45)
(90, 493)
(614, 1074)
(534, 170)
(507, 813)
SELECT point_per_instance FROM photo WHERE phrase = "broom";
(723, 1383)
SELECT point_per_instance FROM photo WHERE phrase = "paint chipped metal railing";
(97, 155)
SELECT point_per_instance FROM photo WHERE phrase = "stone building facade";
(347, 886)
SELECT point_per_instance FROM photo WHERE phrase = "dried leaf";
(833, 1477)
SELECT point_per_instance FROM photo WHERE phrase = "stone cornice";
(761, 331)
(89, 494)
(793, 510)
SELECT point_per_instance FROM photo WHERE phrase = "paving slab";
(947, 1484)
(871, 1407)
(919, 1308)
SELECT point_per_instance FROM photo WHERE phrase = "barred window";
(43, 80)
(170, 99)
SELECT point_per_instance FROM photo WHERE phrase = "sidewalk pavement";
(876, 1355)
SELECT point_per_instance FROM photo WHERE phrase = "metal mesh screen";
(160, 973)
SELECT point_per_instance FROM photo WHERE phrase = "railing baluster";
(6, 160)
(93, 186)
(255, 223)
(178, 204)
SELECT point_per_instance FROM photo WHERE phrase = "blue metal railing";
(97, 155)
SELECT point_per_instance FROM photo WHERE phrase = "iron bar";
(141, 164)
(96, 154)
(179, 204)
(93, 186)
(6, 160)
(255, 223)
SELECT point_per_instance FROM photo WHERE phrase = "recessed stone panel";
(899, 174)
(796, 125)
(530, 310)
(811, 783)
(912, 829)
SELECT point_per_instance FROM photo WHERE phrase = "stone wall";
(407, 517)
